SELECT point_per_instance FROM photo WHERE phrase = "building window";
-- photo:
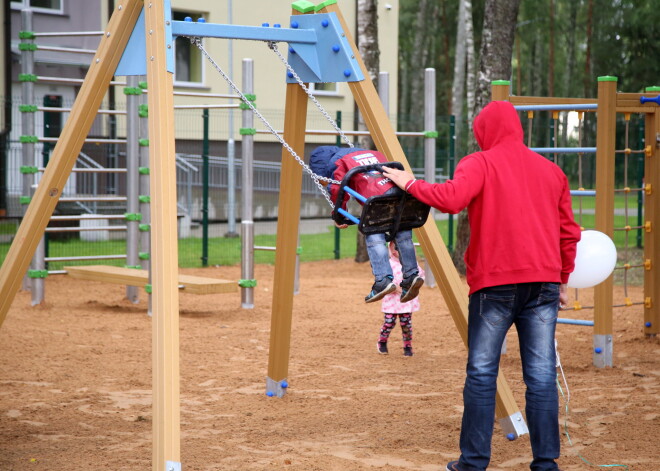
(187, 57)
(50, 6)
(329, 88)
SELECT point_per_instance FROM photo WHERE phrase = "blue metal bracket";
(319, 50)
(331, 59)
(134, 59)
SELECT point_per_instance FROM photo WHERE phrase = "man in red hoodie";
(523, 240)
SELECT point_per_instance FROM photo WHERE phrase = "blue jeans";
(379, 255)
(532, 307)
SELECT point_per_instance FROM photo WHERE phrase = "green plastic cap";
(322, 5)
(652, 89)
(303, 6)
(608, 78)
(500, 82)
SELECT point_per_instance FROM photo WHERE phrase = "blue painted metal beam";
(256, 33)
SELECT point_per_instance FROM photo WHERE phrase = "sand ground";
(75, 383)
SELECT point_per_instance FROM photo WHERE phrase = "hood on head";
(497, 122)
(322, 159)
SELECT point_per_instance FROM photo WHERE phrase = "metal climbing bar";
(564, 150)
(561, 320)
(560, 107)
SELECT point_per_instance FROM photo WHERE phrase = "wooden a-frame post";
(384, 137)
(166, 422)
(66, 151)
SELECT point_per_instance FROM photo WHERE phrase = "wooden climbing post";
(652, 222)
(604, 220)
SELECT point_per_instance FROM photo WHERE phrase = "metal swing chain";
(316, 178)
(273, 46)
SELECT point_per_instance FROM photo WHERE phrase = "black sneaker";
(453, 466)
(407, 351)
(410, 288)
(382, 348)
(380, 289)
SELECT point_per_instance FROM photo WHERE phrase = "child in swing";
(334, 162)
(392, 308)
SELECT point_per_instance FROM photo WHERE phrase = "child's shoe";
(410, 287)
(380, 289)
(407, 351)
(382, 348)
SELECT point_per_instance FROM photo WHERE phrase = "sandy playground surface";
(75, 383)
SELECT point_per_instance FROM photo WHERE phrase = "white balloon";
(594, 261)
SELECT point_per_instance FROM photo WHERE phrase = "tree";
(463, 71)
(367, 43)
(494, 64)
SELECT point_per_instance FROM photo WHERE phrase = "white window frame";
(335, 92)
(202, 82)
(19, 5)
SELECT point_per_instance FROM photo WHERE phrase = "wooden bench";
(135, 277)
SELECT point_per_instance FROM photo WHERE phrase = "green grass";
(8, 227)
(589, 202)
(221, 250)
(227, 251)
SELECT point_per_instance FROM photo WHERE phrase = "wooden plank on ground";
(135, 277)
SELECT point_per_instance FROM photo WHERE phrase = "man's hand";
(398, 177)
(563, 295)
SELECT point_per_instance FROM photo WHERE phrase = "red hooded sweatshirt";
(522, 228)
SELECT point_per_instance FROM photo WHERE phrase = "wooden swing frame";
(165, 297)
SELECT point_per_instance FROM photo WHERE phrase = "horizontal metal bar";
(257, 33)
(85, 257)
(567, 107)
(92, 198)
(89, 139)
(319, 132)
(564, 150)
(46, 79)
(85, 229)
(68, 33)
(93, 170)
(202, 107)
(583, 192)
(52, 109)
(205, 95)
(71, 50)
(561, 320)
(262, 247)
(87, 217)
(98, 170)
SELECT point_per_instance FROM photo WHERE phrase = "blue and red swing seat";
(388, 213)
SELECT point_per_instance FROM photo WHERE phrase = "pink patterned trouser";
(405, 321)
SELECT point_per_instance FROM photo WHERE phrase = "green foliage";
(623, 43)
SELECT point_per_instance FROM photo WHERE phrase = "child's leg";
(388, 324)
(379, 256)
(405, 321)
(407, 255)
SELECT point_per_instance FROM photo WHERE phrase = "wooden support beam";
(652, 217)
(604, 220)
(66, 150)
(164, 241)
(288, 217)
(134, 277)
(451, 286)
